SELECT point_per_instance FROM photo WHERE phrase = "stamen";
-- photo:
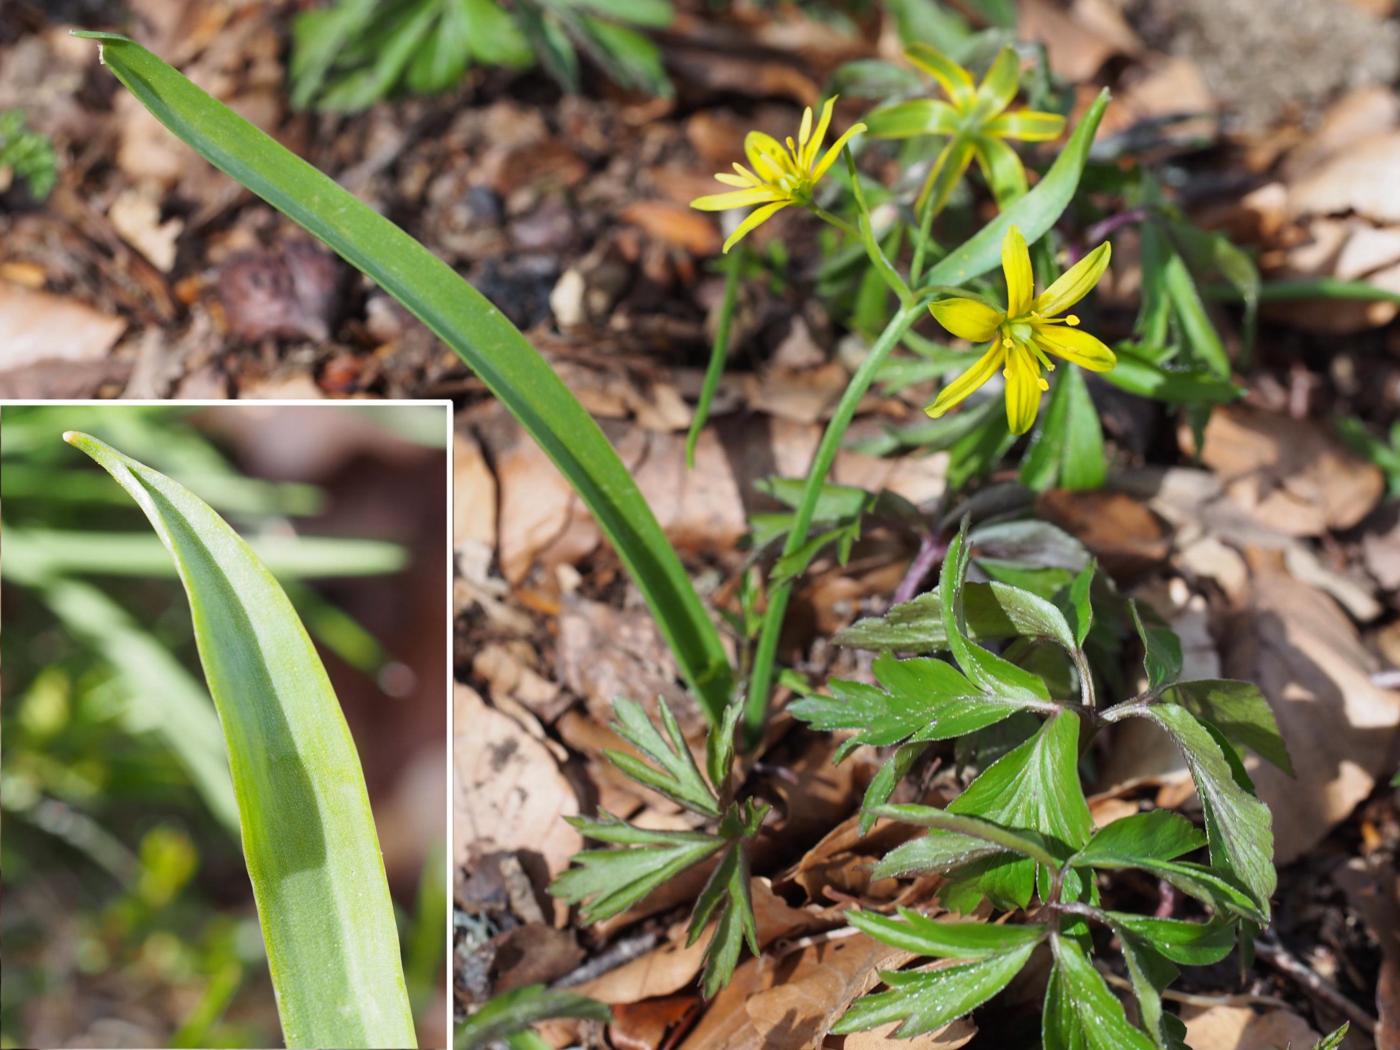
(1071, 320)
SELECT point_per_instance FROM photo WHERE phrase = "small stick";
(931, 551)
(623, 951)
(1290, 965)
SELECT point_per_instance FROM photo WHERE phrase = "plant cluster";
(27, 155)
(352, 53)
(1030, 643)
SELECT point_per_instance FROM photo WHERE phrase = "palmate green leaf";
(921, 935)
(609, 881)
(959, 839)
(917, 699)
(1151, 947)
(726, 893)
(1240, 711)
(1153, 845)
(516, 1010)
(927, 999)
(885, 780)
(1079, 608)
(1188, 943)
(991, 611)
(456, 312)
(679, 777)
(1239, 828)
(1081, 1011)
(308, 833)
(1034, 787)
(1161, 647)
(990, 672)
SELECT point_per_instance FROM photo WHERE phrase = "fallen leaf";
(473, 498)
(509, 792)
(1360, 179)
(1240, 1028)
(1306, 656)
(646, 1024)
(43, 327)
(136, 216)
(1290, 475)
(1118, 530)
(675, 224)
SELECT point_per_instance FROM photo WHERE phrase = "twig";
(623, 951)
(1291, 966)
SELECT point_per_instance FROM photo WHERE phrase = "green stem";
(719, 352)
(928, 213)
(761, 679)
(835, 220)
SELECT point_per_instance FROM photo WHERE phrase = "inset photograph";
(224, 745)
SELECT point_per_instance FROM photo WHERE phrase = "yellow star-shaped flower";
(780, 176)
(1022, 335)
(974, 118)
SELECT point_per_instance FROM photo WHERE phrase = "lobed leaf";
(927, 999)
(609, 881)
(679, 777)
(516, 1010)
(308, 832)
(921, 935)
(1240, 711)
(1157, 835)
(1081, 1011)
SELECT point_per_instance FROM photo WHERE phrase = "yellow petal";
(1075, 346)
(1075, 283)
(999, 86)
(955, 81)
(967, 318)
(830, 157)
(806, 129)
(809, 155)
(1001, 168)
(736, 199)
(1027, 125)
(1016, 265)
(1023, 390)
(764, 153)
(734, 180)
(754, 219)
(946, 173)
(958, 390)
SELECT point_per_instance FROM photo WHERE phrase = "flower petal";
(734, 180)
(830, 157)
(804, 132)
(919, 116)
(999, 86)
(764, 153)
(735, 199)
(1028, 125)
(754, 219)
(983, 369)
(955, 81)
(809, 155)
(945, 174)
(1001, 168)
(1016, 265)
(967, 318)
(1075, 346)
(1023, 390)
(1075, 283)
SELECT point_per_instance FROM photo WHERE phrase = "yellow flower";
(780, 175)
(975, 120)
(1025, 332)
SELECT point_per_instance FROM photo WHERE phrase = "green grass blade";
(465, 320)
(61, 551)
(308, 834)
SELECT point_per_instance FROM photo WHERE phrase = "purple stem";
(931, 551)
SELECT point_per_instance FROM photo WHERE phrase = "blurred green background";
(127, 918)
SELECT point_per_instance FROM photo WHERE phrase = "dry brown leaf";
(136, 216)
(43, 327)
(949, 1037)
(675, 224)
(1080, 40)
(473, 498)
(509, 793)
(1361, 179)
(1240, 1028)
(1118, 530)
(1306, 656)
(645, 1025)
(1289, 475)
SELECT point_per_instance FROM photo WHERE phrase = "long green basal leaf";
(308, 833)
(464, 319)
